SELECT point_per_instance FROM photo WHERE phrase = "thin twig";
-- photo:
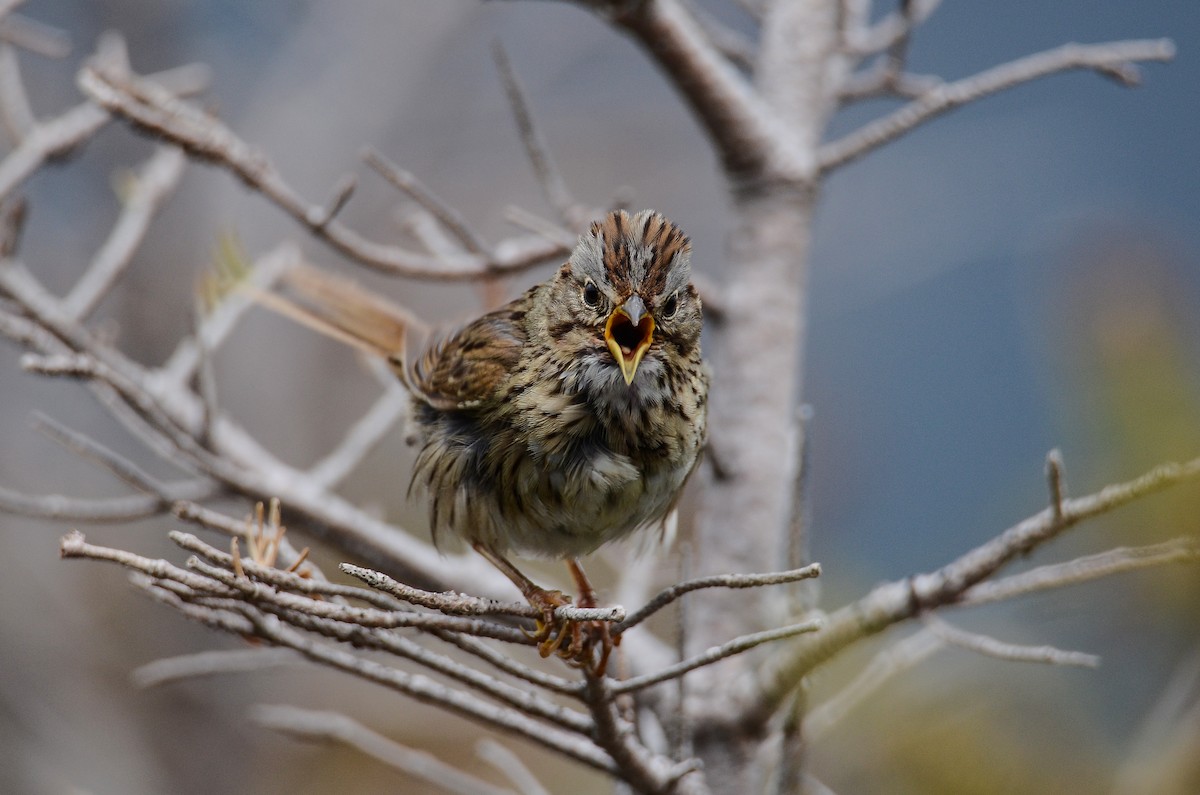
(1083, 569)
(897, 601)
(74, 545)
(991, 647)
(554, 187)
(104, 510)
(16, 114)
(883, 667)
(206, 138)
(881, 80)
(643, 771)
(145, 192)
(519, 216)
(670, 594)
(718, 653)
(61, 135)
(416, 190)
(510, 765)
(425, 690)
(1055, 482)
(359, 637)
(508, 665)
(288, 555)
(36, 37)
(1114, 59)
(223, 318)
(91, 450)
(211, 663)
(363, 437)
(339, 197)
(860, 40)
(267, 582)
(733, 44)
(321, 725)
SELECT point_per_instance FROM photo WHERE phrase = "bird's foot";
(576, 642)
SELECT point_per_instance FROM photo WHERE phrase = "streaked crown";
(643, 253)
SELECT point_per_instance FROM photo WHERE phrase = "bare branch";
(882, 79)
(91, 450)
(508, 665)
(733, 44)
(427, 691)
(359, 637)
(887, 664)
(1084, 569)
(554, 187)
(339, 197)
(288, 556)
(1006, 651)
(145, 192)
(889, 30)
(464, 605)
(16, 114)
(206, 138)
(1115, 60)
(539, 226)
(223, 318)
(1055, 482)
(735, 646)
(363, 437)
(508, 763)
(272, 579)
(893, 602)
(750, 139)
(74, 545)
(168, 417)
(211, 663)
(310, 725)
(59, 136)
(102, 510)
(645, 772)
(47, 140)
(446, 215)
(34, 36)
(670, 594)
(315, 616)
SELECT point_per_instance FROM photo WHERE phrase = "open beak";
(629, 332)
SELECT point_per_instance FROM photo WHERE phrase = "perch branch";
(464, 605)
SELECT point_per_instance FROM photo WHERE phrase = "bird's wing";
(466, 368)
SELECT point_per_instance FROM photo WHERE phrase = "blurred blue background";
(1019, 275)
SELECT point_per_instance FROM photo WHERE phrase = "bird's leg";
(597, 631)
(550, 631)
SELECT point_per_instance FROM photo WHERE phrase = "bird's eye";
(591, 295)
(670, 306)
